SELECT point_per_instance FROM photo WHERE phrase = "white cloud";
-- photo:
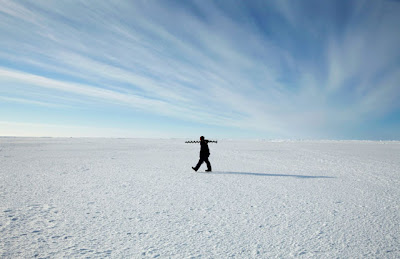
(18, 129)
(29, 101)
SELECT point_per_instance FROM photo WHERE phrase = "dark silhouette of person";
(204, 154)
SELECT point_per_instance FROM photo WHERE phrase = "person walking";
(204, 154)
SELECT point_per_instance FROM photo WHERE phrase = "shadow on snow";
(282, 175)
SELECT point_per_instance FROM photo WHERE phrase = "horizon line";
(228, 139)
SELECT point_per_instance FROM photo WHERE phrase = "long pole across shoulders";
(197, 141)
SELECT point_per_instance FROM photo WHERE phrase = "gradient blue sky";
(223, 69)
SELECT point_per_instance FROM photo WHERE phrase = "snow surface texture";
(136, 198)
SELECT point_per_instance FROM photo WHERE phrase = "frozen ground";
(133, 198)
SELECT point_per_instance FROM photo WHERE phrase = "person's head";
(201, 138)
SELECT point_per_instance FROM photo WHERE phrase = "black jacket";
(204, 151)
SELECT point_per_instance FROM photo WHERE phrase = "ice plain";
(139, 198)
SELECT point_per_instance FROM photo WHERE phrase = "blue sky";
(223, 69)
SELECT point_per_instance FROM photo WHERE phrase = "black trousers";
(203, 159)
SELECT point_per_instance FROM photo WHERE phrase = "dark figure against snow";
(204, 154)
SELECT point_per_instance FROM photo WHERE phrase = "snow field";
(139, 198)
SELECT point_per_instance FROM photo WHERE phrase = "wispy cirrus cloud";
(279, 69)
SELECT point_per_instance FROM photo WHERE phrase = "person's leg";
(198, 164)
(208, 164)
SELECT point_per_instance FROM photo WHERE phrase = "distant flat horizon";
(219, 139)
